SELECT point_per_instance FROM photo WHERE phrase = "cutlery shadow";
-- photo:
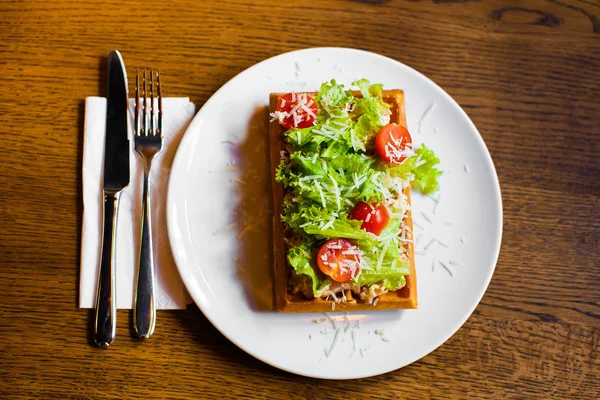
(102, 71)
(254, 213)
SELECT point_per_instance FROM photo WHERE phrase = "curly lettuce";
(329, 170)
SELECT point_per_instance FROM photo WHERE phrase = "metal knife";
(116, 177)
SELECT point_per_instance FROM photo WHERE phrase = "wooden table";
(527, 73)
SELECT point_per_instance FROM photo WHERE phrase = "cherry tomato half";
(296, 110)
(339, 259)
(375, 218)
(391, 141)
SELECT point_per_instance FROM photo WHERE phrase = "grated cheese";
(431, 243)
(328, 318)
(351, 252)
(309, 177)
(352, 334)
(326, 108)
(435, 199)
(246, 229)
(318, 185)
(278, 116)
(435, 207)
(328, 224)
(347, 323)
(419, 238)
(383, 251)
(420, 162)
(425, 115)
(227, 228)
(307, 109)
(426, 216)
(443, 244)
(446, 268)
(339, 124)
(336, 190)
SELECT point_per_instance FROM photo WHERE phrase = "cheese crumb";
(426, 216)
(431, 243)
(446, 268)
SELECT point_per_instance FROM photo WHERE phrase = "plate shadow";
(253, 212)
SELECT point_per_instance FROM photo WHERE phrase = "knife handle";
(144, 310)
(105, 322)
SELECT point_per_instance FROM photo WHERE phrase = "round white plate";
(219, 221)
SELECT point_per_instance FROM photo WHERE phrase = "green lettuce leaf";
(329, 171)
(392, 279)
(300, 258)
(426, 175)
(421, 169)
(371, 105)
(331, 99)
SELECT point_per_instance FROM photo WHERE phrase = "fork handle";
(144, 314)
(105, 321)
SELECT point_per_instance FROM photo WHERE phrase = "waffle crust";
(288, 302)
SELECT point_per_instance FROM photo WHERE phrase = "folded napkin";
(170, 292)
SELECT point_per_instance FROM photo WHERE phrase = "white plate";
(229, 278)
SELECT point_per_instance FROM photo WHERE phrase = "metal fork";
(148, 143)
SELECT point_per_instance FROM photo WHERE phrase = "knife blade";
(116, 178)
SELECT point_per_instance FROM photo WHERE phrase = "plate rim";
(489, 160)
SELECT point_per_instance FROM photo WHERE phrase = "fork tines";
(148, 121)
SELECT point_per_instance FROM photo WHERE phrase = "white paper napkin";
(170, 291)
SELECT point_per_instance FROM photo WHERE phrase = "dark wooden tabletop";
(526, 72)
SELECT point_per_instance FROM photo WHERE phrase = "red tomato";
(339, 259)
(375, 218)
(296, 110)
(391, 142)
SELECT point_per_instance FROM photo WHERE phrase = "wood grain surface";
(526, 72)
